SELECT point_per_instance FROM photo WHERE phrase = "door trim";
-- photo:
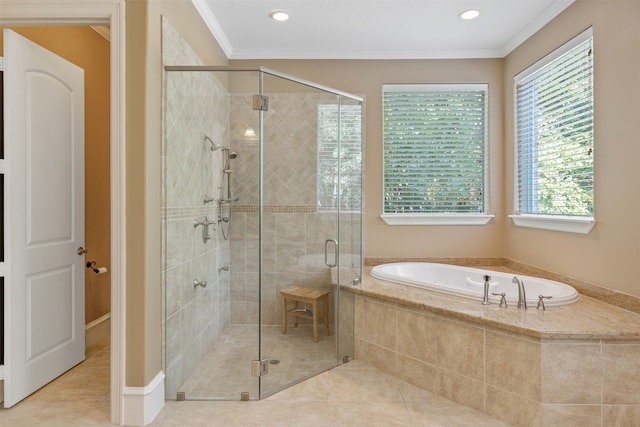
(112, 13)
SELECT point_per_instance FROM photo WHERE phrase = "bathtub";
(468, 282)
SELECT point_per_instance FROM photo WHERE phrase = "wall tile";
(380, 324)
(376, 356)
(513, 409)
(416, 372)
(621, 375)
(417, 335)
(571, 373)
(621, 415)
(192, 171)
(461, 389)
(513, 364)
(460, 348)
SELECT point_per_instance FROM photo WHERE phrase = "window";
(554, 135)
(341, 123)
(435, 139)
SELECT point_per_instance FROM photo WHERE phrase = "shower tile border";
(277, 209)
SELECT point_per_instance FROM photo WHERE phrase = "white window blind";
(554, 126)
(434, 148)
(339, 156)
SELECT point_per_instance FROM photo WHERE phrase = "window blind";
(339, 156)
(554, 125)
(434, 148)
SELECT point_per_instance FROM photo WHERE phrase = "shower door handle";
(335, 252)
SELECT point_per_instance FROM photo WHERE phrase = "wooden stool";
(309, 296)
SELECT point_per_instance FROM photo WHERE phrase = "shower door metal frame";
(264, 70)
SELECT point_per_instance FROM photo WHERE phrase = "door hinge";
(261, 102)
(259, 367)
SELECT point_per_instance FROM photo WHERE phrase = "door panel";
(298, 249)
(50, 157)
(44, 216)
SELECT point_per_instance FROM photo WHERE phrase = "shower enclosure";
(262, 191)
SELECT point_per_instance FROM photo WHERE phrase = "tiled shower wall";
(196, 104)
(294, 229)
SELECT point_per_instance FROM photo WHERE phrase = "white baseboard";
(143, 404)
(97, 330)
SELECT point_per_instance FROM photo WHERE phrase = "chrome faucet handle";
(503, 298)
(541, 299)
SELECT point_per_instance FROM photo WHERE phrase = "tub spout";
(485, 297)
(522, 295)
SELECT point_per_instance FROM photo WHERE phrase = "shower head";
(214, 145)
(230, 154)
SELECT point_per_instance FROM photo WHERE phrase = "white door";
(44, 216)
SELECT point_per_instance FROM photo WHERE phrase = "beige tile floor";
(353, 394)
(225, 371)
(80, 397)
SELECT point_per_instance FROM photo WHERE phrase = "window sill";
(569, 224)
(436, 219)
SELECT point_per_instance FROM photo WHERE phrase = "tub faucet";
(485, 297)
(522, 295)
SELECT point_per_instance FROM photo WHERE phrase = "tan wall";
(143, 169)
(608, 256)
(365, 78)
(90, 51)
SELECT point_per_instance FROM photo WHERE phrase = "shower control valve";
(205, 223)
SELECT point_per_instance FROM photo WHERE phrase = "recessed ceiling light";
(279, 15)
(469, 14)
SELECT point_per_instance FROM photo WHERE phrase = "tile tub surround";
(571, 365)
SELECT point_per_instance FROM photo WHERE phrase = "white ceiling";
(374, 29)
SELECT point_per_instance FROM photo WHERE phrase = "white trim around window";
(569, 224)
(435, 219)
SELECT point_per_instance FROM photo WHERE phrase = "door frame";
(112, 13)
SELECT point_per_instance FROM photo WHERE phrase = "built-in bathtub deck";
(571, 365)
(589, 318)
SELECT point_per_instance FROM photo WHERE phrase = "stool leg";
(295, 318)
(326, 314)
(315, 320)
(284, 314)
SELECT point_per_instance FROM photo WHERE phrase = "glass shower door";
(299, 232)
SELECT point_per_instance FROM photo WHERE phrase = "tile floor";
(225, 370)
(353, 394)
